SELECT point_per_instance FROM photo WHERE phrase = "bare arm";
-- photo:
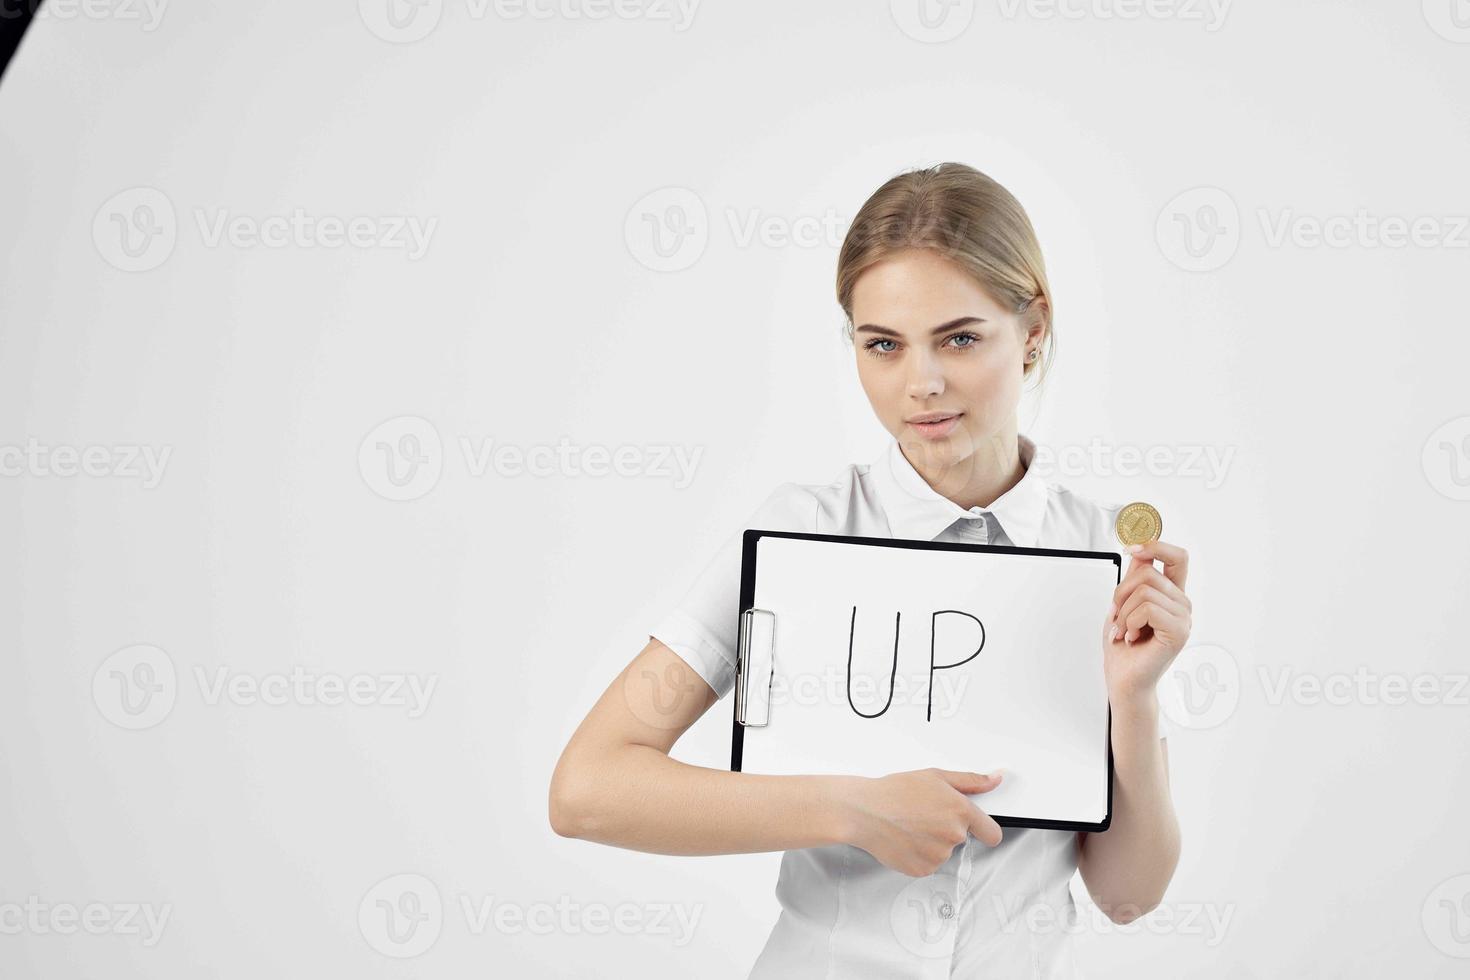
(1128, 867)
(616, 784)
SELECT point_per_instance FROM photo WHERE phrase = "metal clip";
(755, 667)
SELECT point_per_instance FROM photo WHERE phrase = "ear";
(1036, 321)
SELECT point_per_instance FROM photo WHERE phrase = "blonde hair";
(971, 220)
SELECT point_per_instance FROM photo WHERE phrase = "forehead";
(916, 289)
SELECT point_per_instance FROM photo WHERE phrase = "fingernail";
(997, 773)
(1128, 636)
(1113, 635)
(1112, 611)
(1135, 548)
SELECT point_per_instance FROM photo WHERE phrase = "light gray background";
(1328, 836)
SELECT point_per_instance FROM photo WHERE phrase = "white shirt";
(844, 915)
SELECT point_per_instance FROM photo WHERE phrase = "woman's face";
(930, 341)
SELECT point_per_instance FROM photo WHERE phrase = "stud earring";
(1031, 356)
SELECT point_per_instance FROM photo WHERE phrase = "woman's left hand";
(1151, 616)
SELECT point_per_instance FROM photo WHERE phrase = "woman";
(949, 311)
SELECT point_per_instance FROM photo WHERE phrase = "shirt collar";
(917, 511)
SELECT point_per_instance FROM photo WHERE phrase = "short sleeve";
(702, 629)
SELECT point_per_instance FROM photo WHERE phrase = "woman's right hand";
(911, 821)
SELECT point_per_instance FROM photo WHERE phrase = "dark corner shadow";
(15, 17)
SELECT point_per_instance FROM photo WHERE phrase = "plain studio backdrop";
(373, 378)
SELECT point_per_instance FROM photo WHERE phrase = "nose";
(925, 379)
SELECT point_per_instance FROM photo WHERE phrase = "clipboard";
(1081, 576)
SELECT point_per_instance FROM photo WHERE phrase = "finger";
(1150, 614)
(1175, 559)
(971, 782)
(1148, 592)
(984, 827)
(1145, 575)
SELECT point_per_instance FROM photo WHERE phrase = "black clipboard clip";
(755, 667)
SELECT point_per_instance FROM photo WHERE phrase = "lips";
(939, 426)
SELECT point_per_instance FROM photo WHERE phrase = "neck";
(980, 478)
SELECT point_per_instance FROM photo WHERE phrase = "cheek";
(985, 378)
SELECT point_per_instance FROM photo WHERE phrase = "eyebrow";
(888, 332)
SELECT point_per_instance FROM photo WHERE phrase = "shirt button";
(946, 911)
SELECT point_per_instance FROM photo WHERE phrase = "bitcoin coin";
(1137, 523)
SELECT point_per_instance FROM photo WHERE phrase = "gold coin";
(1137, 523)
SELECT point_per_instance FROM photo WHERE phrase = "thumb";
(972, 782)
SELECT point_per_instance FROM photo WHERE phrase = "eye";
(871, 345)
(970, 336)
